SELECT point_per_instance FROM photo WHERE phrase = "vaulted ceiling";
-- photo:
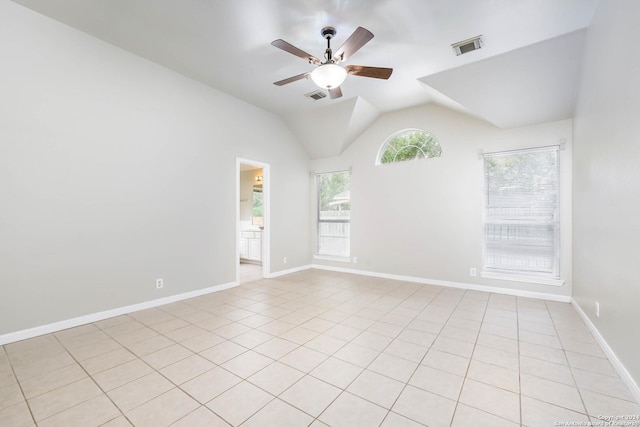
(525, 73)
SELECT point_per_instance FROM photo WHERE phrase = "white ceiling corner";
(362, 116)
(328, 130)
(533, 84)
(322, 129)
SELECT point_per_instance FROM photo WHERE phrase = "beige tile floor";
(249, 272)
(318, 348)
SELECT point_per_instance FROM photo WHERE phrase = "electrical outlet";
(284, 260)
(354, 259)
(159, 283)
(473, 272)
(597, 309)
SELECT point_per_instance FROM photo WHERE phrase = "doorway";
(252, 214)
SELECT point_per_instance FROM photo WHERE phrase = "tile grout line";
(277, 360)
(564, 352)
(500, 366)
(428, 349)
(92, 379)
(295, 302)
(344, 390)
(13, 371)
(404, 328)
(178, 386)
(406, 383)
(274, 397)
(455, 409)
(137, 357)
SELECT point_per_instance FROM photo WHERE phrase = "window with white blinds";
(521, 213)
(334, 213)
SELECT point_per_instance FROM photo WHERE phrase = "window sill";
(518, 278)
(332, 258)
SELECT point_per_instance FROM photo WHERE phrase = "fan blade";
(375, 72)
(359, 38)
(288, 47)
(335, 92)
(291, 79)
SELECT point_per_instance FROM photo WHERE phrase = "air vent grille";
(316, 95)
(467, 46)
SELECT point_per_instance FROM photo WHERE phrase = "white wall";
(115, 171)
(423, 218)
(606, 180)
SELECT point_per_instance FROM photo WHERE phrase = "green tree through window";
(409, 144)
(258, 203)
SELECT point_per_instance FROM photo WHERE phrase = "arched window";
(409, 144)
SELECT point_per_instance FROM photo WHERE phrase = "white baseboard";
(94, 317)
(617, 364)
(449, 284)
(289, 271)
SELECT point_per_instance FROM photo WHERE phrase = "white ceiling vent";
(466, 46)
(316, 95)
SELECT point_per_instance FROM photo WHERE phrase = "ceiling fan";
(328, 74)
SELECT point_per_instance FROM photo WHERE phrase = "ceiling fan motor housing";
(328, 32)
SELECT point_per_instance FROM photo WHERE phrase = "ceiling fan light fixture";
(328, 76)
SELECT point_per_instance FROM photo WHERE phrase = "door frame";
(266, 215)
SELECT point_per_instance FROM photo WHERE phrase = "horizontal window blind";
(521, 212)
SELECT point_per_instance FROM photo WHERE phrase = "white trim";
(608, 351)
(518, 278)
(289, 271)
(527, 278)
(449, 284)
(94, 317)
(266, 209)
(536, 149)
